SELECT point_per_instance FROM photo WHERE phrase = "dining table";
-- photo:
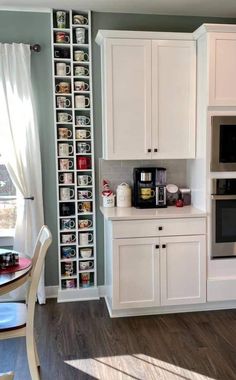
(14, 276)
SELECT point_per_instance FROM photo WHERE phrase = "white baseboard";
(51, 291)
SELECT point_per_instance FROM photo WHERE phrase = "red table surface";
(23, 264)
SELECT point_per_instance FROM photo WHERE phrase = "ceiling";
(214, 8)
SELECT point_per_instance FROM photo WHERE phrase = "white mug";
(81, 101)
(66, 193)
(64, 117)
(81, 86)
(67, 224)
(61, 19)
(68, 238)
(65, 149)
(81, 71)
(66, 178)
(86, 252)
(63, 102)
(83, 147)
(86, 265)
(80, 20)
(84, 180)
(62, 69)
(85, 238)
(82, 120)
(80, 55)
(85, 223)
(85, 194)
(65, 164)
(80, 35)
(82, 134)
(64, 133)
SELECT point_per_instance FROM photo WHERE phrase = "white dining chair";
(16, 318)
(7, 376)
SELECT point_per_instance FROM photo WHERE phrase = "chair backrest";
(43, 242)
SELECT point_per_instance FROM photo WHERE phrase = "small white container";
(123, 193)
(108, 201)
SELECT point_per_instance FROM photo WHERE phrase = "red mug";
(83, 162)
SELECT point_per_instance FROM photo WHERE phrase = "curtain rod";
(35, 48)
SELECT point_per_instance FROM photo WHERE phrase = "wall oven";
(223, 143)
(223, 218)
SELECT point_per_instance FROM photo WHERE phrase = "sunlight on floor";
(138, 367)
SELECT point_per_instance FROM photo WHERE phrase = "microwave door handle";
(217, 197)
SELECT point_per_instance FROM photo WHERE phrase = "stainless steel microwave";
(223, 143)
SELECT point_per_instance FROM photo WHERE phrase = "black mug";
(62, 53)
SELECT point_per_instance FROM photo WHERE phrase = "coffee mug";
(68, 238)
(69, 284)
(86, 253)
(85, 279)
(64, 117)
(83, 147)
(83, 162)
(62, 69)
(65, 149)
(85, 238)
(61, 19)
(64, 133)
(66, 178)
(82, 101)
(82, 134)
(66, 209)
(85, 223)
(80, 19)
(85, 207)
(68, 252)
(86, 265)
(66, 193)
(80, 55)
(63, 102)
(62, 53)
(147, 193)
(84, 180)
(82, 120)
(80, 35)
(67, 224)
(81, 86)
(65, 164)
(81, 71)
(63, 88)
(84, 194)
(68, 269)
(62, 38)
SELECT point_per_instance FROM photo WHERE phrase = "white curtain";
(19, 145)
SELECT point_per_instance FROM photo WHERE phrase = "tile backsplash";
(117, 172)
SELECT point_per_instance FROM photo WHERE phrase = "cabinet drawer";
(159, 227)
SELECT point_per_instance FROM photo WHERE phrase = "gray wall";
(35, 27)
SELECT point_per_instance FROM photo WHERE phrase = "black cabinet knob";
(163, 246)
(155, 150)
(149, 150)
(160, 228)
(157, 246)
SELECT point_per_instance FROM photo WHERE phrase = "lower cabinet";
(158, 271)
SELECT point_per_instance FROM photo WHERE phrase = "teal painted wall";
(35, 28)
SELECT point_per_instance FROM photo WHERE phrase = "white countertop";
(132, 213)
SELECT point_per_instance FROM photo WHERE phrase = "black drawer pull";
(157, 246)
(160, 228)
(149, 150)
(163, 246)
(155, 150)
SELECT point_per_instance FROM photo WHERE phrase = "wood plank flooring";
(79, 341)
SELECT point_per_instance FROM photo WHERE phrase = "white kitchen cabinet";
(148, 95)
(155, 263)
(135, 268)
(222, 63)
(183, 270)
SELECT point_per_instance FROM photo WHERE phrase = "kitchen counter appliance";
(149, 187)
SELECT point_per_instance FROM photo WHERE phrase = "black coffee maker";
(149, 187)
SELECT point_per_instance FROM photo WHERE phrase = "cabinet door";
(173, 98)
(135, 273)
(127, 99)
(183, 270)
(222, 75)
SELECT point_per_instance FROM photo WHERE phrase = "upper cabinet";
(148, 95)
(218, 50)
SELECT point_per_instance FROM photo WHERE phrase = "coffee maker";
(149, 187)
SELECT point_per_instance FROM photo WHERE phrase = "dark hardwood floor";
(79, 341)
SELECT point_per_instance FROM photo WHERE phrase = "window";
(7, 199)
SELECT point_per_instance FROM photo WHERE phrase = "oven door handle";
(217, 197)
